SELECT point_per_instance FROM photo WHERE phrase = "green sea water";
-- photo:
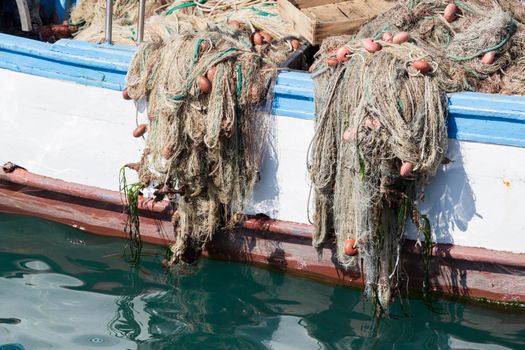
(61, 288)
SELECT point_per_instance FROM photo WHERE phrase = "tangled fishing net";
(381, 122)
(206, 93)
(163, 17)
(90, 15)
(381, 107)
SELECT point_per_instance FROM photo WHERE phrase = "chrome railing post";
(25, 15)
(142, 10)
(109, 21)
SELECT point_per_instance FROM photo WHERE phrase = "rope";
(482, 51)
(181, 6)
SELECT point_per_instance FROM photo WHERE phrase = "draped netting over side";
(204, 143)
(381, 128)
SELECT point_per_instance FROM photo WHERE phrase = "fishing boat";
(66, 134)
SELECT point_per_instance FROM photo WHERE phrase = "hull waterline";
(465, 272)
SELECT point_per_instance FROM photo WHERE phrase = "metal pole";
(109, 20)
(25, 16)
(142, 10)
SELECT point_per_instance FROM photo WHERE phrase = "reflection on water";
(76, 291)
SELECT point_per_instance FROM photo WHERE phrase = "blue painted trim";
(476, 117)
(99, 65)
(487, 118)
(61, 71)
(110, 50)
(99, 56)
(294, 95)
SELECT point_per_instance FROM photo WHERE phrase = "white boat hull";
(82, 134)
(72, 140)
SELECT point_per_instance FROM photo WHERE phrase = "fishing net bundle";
(163, 17)
(484, 26)
(510, 79)
(90, 15)
(515, 7)
(205, 142)
(381, 125)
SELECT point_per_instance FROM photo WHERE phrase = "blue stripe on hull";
(99, 65)
(476, 117)
(487, 118)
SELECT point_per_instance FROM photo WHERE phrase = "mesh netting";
(381, 112)
(381, 123)
(164, 17)
(204, 143)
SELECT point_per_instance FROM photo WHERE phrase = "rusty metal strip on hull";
(458, 271)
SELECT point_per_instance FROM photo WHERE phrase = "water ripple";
(78, 292)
